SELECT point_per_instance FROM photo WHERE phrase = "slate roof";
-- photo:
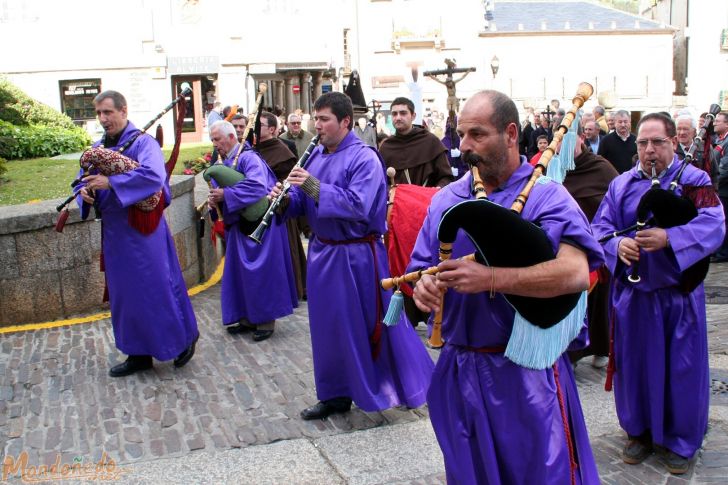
(581, 16)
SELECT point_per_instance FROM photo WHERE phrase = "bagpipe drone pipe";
(225, 176)
(543, 327)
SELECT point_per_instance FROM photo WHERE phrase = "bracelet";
(492, 282)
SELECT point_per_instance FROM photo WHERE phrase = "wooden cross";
(453, 104)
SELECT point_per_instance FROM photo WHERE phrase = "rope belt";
(498, 349)
(375, 339)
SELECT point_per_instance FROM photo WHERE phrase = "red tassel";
(146, 222)
(102, 268)
(218, 230)
(61, 222)
(611, 367)
(376, 339)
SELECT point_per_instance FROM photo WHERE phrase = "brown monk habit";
(278, 157)
(419, 158)
(281, 160)
(587, 184)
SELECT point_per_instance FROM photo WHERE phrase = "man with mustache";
(491, 415)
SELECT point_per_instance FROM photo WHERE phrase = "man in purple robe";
(498, 422)
(343, 192)
(150, 310)
(661, 381)
(257, 284)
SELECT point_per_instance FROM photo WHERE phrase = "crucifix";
(548, 113)
(453, 104)
(375, 105)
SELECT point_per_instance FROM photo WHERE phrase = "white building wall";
(707, 63)
(127, 43)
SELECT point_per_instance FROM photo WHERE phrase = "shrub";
(18, 108)
(39, 141)
(3, 166)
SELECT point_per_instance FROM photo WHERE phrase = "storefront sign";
(193, 65)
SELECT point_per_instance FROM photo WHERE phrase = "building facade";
(534, 51)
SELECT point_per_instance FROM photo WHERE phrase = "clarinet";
(634, 276)
(259, 232)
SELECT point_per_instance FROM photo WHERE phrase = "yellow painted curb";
(214, 279)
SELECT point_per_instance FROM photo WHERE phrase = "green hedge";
(39, 141)
(18, 108)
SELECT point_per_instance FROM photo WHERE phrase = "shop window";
(77, 98)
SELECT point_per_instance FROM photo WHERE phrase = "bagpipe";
(662, 208)
(225, 176)
(108, 162)
(543, 327)
(258, 233)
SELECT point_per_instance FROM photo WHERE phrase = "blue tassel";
(537, 348)
(564, 160)
(396, 303)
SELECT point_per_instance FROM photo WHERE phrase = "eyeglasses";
(656, 142)
(294, 122)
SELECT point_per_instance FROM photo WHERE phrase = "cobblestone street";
(237, 396)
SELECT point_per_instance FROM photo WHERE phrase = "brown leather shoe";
(636, 451)
(675, 464)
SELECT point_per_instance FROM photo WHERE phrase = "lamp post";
(494, 65)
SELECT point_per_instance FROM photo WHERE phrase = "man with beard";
(343, 192)
(417, 155)
(280, 159)
(661, 377)
(496, 421)
(257, 282)
(150, 311)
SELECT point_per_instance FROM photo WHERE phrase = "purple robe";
(661, 383)
(150, 310)
(497, 422)
(258, 282)
(342, 282)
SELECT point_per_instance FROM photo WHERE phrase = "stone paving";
(56, 398)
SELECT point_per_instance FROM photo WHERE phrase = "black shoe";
(324, 409)
(260, 335)
(186, 354)
(132, 364)
(238, 328)
(636, 450)
(675, 464)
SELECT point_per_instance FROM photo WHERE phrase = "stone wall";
(46, 275)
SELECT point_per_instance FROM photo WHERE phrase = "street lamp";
(494, 65)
